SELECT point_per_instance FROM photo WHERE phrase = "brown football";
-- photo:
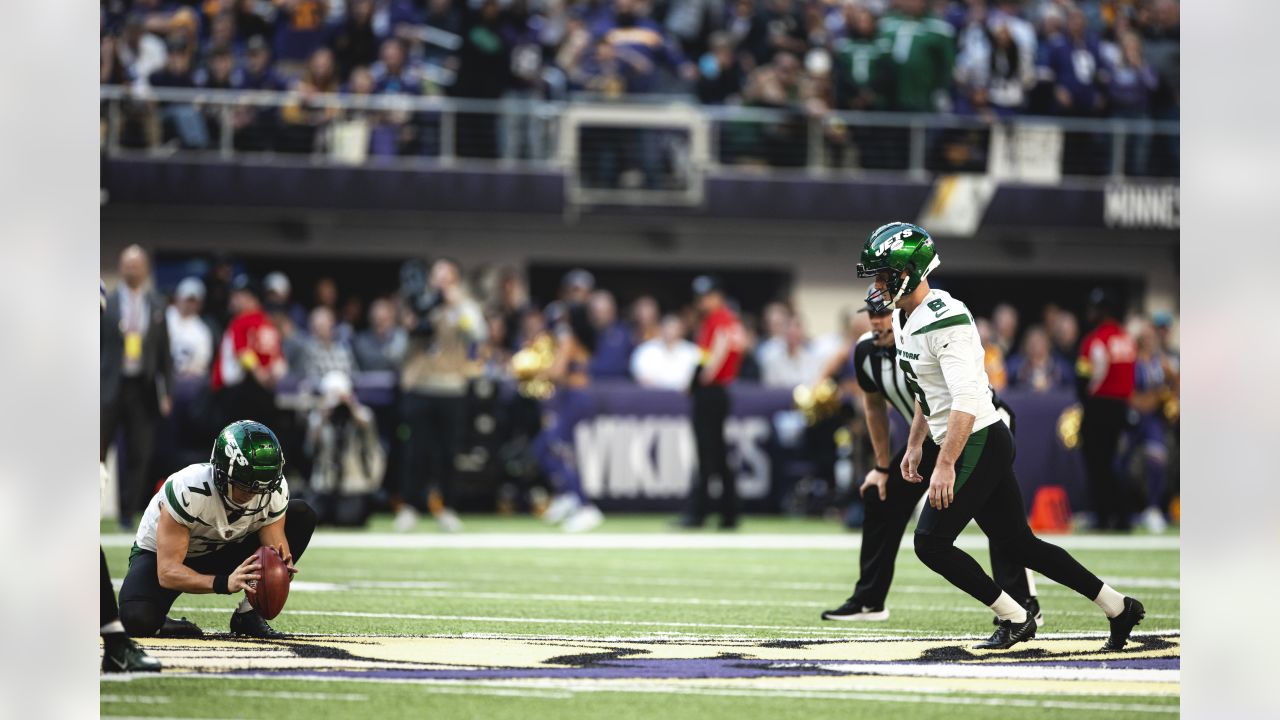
(272, 589)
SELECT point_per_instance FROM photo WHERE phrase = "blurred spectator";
(1036, 367)
(576, 286)
(793, 362)
(776, 317)
(136, 377)
(439, 36)
(720, 76)
(190, 340)
(860, 71)
(383, 345)
(325, 294)
(494, 355)
(347, 459)
(1004, 322)
(690, 22)
(992, 355)
(250, 362)
(140, 52)
(353, 39)
(780, 84)
(278, 297)
(303, 116)
(1163, 324)
(301, 27)
(260, 74)
(776, 27)
(293, 341)
(645, 324)
(1130, 84)
(513, 303)
(1065, 333)
(922, 55)
(668, 361)
(444, 325)
(325, 352)
(1146, 433)
(849, 326)
(253, 19)
(392, 74)
(641, 46)
(1161, 31)
(181, 120)
(612, 357)
(220, 72)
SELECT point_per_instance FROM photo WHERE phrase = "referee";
(888, 498)
(720, 342)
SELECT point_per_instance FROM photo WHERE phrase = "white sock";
(244, 606)
(1111, 602)
(1006, 608)
(112, 627)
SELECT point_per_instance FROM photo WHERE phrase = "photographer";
(347, 457)
(444, 325)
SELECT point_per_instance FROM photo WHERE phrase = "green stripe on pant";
(969, 456)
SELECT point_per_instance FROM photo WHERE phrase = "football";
(272, 589)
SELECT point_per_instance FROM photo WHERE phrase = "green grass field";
(513, 619)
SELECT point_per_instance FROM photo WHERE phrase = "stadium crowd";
(989, 59)
(249, 348)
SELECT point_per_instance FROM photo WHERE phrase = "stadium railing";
(661, 144)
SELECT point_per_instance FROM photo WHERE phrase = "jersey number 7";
(913, 386)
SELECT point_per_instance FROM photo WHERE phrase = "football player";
(887, 497)
(202, 529)
(971, 456)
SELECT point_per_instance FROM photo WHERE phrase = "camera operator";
(444, 326)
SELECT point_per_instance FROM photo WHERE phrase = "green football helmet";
(247, 454)
(898, 247)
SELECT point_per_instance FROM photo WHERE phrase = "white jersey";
(941, 354)
(191, 499)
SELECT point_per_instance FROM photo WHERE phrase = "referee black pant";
(885, 522)
(1101, 424)
(710, 410)
(987, 491)
(144, 603)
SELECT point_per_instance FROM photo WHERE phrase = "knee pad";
(140, 618)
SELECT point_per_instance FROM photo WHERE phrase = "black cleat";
(1008, 633)
(1123, 624)
(182, 628)
(854, 611)
(730, 523)
(122, 655)
(1033, 608)
(251, 624)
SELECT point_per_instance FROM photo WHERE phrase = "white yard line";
(544, 688)
(669, 541)
(287, 695)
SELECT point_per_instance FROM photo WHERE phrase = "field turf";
(512, 619)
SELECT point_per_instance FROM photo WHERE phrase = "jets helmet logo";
(895, 242)
(233, 452)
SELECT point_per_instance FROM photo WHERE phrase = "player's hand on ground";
(910, 462)
(877, 479)
(243, 575)
(942, 486)
(287, 557)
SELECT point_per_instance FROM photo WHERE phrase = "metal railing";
(657, 143)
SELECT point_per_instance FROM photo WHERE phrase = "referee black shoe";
(1008, 633)
(181, 628)
(1033, 608)
(251, 624)
(854, 611)
(122, 655)
(1123, 624)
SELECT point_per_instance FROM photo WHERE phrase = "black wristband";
(220, 585)
(884, 470)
